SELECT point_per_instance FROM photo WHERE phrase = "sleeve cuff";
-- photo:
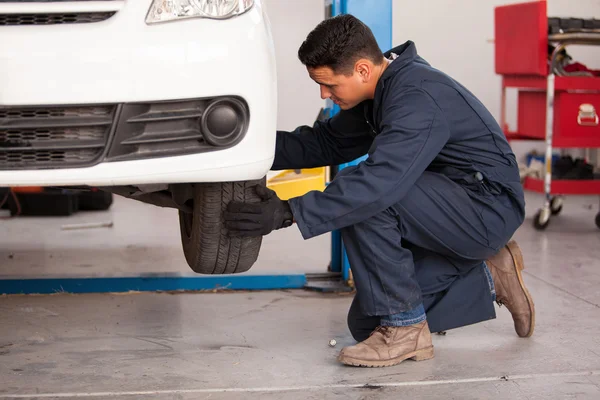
(296, 207)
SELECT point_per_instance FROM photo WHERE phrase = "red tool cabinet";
(554, 106)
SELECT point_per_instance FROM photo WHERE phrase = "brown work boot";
(506, 267)
(390, 345)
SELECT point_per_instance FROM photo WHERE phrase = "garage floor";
(273, 345)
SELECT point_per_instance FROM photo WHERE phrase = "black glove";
(257, 219)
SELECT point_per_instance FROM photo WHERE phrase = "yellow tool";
(293, 183)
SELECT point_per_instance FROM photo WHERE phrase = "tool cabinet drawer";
(576, 121)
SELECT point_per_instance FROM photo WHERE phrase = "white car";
(171, 102)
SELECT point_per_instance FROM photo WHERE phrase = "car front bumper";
(123, 61)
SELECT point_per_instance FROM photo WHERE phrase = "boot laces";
(384, 330)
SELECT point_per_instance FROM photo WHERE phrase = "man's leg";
(450, 299)
(438, 216)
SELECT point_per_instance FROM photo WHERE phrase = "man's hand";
(257, 219)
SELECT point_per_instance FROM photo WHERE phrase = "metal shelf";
(569, 83)
(560, 187)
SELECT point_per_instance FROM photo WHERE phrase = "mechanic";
(427, 218)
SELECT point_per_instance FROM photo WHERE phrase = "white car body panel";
(122, 59)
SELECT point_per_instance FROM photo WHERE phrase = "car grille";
(155, 129)
(49, 137)
(54, 19)
(54, 137)
(31, 158)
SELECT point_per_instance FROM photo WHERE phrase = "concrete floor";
(273, 345)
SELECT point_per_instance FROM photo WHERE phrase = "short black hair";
(338, 43)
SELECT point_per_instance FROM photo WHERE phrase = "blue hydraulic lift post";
(377, 15)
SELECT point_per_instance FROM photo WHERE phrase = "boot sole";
(419, 355)
(517, 256)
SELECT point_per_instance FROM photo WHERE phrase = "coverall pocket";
(499, 218)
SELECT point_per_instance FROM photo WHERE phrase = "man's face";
(345, 91)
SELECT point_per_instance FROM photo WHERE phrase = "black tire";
(206, 244)
(95, 200)
(598, 220)
(538, 223)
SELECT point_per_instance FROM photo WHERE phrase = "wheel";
(598, 220)
(206, 245)
(556, 205)
(541, 219)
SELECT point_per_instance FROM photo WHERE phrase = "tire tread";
(210, 250)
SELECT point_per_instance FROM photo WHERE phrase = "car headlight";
(169, 10)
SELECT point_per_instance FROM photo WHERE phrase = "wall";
(456, 36)
(298, 95)
(460, 45)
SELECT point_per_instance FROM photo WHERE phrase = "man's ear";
(363, 68)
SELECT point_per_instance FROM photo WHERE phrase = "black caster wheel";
(541, 219)
(598, 220)
(556, 205)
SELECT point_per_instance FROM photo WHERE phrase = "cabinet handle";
(587, 115)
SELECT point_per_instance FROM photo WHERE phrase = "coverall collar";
(406, 53)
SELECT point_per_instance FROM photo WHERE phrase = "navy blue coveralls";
(438, 194)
